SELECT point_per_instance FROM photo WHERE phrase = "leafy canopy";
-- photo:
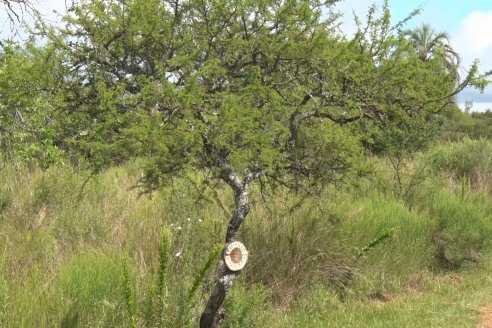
(261, 88)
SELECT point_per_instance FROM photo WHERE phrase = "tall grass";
(64, 243)
(78, 252)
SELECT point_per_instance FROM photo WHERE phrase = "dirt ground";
(486, 321)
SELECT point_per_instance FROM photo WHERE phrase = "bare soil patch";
(486, 318)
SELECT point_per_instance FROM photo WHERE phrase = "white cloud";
(473, 40)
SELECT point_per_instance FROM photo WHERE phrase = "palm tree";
(427, 43)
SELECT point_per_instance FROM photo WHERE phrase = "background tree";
(30, 130)
(459, 125)
(240, 91)
(400, 137)
(428, 44)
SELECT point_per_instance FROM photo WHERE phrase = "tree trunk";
(211, 315)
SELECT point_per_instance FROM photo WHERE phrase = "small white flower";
(178, 254)
(178, 228)
(200, 220)
(188, 219)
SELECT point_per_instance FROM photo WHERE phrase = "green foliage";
(213, 255)
(203, 91)
(243, 304)
(388, 233)
(465, 160)
(29, 131)
(462, 234)
(93, 282)
(322, 240)
(257, 86)
(459, 125)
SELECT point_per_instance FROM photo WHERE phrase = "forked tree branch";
(15, 9)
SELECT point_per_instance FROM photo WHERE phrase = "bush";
(465, 162)
(463, 229)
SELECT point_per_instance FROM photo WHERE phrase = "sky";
(468, 23)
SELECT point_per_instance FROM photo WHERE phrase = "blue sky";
(443, 14)
(468, 22)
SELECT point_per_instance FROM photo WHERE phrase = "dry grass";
(64, 243)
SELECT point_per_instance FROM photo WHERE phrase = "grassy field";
(90, 251)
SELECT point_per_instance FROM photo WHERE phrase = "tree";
(428, 44)
(15, 9)
(29, 132)
(242, 91)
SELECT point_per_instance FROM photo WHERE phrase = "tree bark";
(210, 316)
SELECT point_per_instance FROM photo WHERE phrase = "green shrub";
(465, 161)
(388, 264)
(464, 227)
(170, 296)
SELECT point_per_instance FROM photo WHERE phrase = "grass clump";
(463, 231)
